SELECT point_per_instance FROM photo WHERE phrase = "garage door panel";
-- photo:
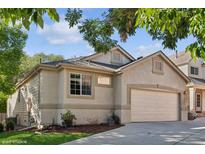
(147, 105)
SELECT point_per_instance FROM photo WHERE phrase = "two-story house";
(195, 70)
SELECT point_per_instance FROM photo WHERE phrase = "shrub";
(10, 125)
(1, 127)
(115, 118)
(13, 119)
(68, 118)
(110, 121)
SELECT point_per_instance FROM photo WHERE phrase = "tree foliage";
(166, 25)
(28, 62)
(12, 42)
(3, 99)
(27, 16)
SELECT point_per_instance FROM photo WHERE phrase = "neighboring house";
(195, 70)
(152, 88)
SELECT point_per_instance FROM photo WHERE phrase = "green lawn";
(30, 138)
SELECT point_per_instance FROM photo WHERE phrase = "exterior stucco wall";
(142, 74)
(49, 116)
(117, 84)
(86, 109)
(107, 58)
(52, 93)
(88, 116)
(61, 86)
(184, 69)
(49, 87)
(203, 100)
(203, 71)
(100, 95)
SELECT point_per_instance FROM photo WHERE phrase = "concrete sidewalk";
(152, 133)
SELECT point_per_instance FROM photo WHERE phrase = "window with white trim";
(194, 70)
(104, 80)
(80, 84)
(158, 66)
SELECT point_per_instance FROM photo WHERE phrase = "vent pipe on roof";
(140, 57)
(176, 54)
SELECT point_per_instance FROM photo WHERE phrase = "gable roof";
(82, 62)
(197, 81)
(123, 51)
(153, 55)
(182, 58)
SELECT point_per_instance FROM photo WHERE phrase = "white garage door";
(147, 105)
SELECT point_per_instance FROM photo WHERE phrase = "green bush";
(10, 125)
(3, 99)
(1, 127)
(68, 118)
(115, 118)
(13, 119)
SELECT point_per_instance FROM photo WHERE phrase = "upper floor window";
(80, 84)
(104, 80)
(194, 70)
(158, 66)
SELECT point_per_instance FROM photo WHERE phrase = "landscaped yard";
(52, 136)
(32, 138)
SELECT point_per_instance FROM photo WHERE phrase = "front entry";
(198, 102)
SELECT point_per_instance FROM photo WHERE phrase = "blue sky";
(57, 38)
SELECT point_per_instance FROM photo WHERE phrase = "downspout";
(39, 93)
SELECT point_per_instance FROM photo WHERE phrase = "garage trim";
(156, 87)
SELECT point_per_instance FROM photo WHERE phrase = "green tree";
(12, 42)
(27, 16)
(28, 62)
(166, 25)
(3, 99)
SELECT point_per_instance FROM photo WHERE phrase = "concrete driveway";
(152, 133)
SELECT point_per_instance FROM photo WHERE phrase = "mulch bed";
(92, 129)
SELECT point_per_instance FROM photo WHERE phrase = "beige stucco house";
(195, 70)
(149, 88)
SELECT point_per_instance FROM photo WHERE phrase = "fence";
(2, 117)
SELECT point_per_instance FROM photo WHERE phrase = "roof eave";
(39, 67)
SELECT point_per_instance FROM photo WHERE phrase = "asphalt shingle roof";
(198, 81)
(108, 65)
(80, 62)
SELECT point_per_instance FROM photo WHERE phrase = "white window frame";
(81, 74)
